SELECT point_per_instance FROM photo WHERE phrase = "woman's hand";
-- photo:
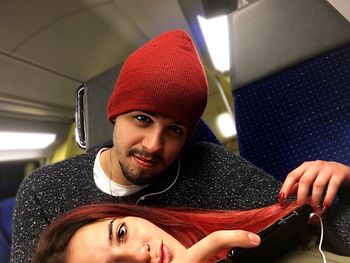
(214, 243)
(316, 176)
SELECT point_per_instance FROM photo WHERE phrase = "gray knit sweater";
(209, 177)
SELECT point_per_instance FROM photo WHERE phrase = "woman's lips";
(164, 254)
(166, 257)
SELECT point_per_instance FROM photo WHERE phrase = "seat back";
(5, 250)
(6, 214)
(93, 128)
(290, 77)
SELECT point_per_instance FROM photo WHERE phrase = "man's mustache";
(156, 157)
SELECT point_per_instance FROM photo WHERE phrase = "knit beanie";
(164, 76)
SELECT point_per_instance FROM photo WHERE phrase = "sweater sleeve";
(28, 221)
(247, 185)
(217, 178)
(337, 230)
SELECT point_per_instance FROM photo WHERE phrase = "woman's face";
(128, 239)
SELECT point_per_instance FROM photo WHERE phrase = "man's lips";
(145, 162)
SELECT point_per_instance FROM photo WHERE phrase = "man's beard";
(140, 177)
(137, 178)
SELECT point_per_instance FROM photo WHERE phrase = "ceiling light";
(215, 33)
(226, 125)
(25, 141)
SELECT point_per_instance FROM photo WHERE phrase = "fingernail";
(325, 208)
(280, 198)
(255, 239)
(313, 219)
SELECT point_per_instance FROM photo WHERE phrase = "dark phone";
(276, 240)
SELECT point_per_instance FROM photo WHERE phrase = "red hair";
(185, 224)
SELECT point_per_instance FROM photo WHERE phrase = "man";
(160, 94)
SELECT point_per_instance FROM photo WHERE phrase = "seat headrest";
(272, 35)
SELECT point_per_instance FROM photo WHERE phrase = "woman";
(129, 233)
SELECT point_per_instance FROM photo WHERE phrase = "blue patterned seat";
(294, 104)
(300, 114)
(6, 212)
(5, 250)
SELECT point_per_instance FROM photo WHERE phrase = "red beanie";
(165, 76)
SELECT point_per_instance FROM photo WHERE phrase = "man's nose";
(153, 141)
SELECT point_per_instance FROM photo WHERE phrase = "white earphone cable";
(160, 192)
(321, 236)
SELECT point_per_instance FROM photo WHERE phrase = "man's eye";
(143, 118)
(121, 233)
(176, 129)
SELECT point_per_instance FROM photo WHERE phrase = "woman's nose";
(142, 254)
(146, 246)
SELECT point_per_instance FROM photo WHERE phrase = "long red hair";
(185, 224)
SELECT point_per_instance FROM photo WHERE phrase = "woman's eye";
(121, 233)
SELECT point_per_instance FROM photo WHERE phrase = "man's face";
(145, 144)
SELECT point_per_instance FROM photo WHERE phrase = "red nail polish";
(325, 208)
(280, 198)
(313, 219)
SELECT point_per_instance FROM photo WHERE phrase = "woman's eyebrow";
(110, 229)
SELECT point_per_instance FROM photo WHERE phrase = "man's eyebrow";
(110, 229)
(154, 114)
